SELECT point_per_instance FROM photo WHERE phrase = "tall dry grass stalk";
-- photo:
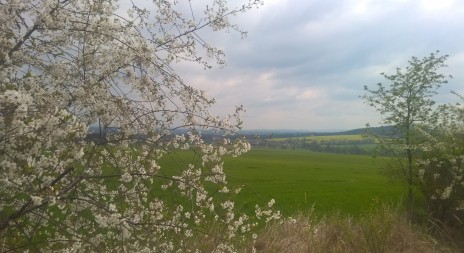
(379, 230)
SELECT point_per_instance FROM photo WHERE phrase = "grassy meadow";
(299, 179)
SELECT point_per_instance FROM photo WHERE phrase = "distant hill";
(282, 133)
(383, 130)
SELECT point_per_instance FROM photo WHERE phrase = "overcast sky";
(305, 62)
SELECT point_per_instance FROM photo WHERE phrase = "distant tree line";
(358, 147)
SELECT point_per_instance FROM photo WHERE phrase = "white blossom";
(36, 200)
(69, 68)
(447, 192)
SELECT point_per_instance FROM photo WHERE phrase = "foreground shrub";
(382, 229)
(440, 167)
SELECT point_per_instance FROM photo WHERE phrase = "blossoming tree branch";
(66, 65)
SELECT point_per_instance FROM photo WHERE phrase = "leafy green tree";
(404, 104)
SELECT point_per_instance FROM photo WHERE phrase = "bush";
(381, 229)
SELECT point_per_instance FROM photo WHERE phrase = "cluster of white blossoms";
(67, 65)
(440, 167)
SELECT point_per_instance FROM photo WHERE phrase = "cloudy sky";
(305, 62)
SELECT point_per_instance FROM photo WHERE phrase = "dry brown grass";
(381, 230)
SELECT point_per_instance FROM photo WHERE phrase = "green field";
(297, 179)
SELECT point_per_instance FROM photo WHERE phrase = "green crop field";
(299, 179)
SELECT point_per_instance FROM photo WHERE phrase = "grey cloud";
(318, 56)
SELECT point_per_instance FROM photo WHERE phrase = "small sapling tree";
(405, 103)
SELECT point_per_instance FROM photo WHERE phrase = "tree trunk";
(410, 184)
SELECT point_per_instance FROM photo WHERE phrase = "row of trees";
(426, 138)
(357, 147)
(67, 64)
